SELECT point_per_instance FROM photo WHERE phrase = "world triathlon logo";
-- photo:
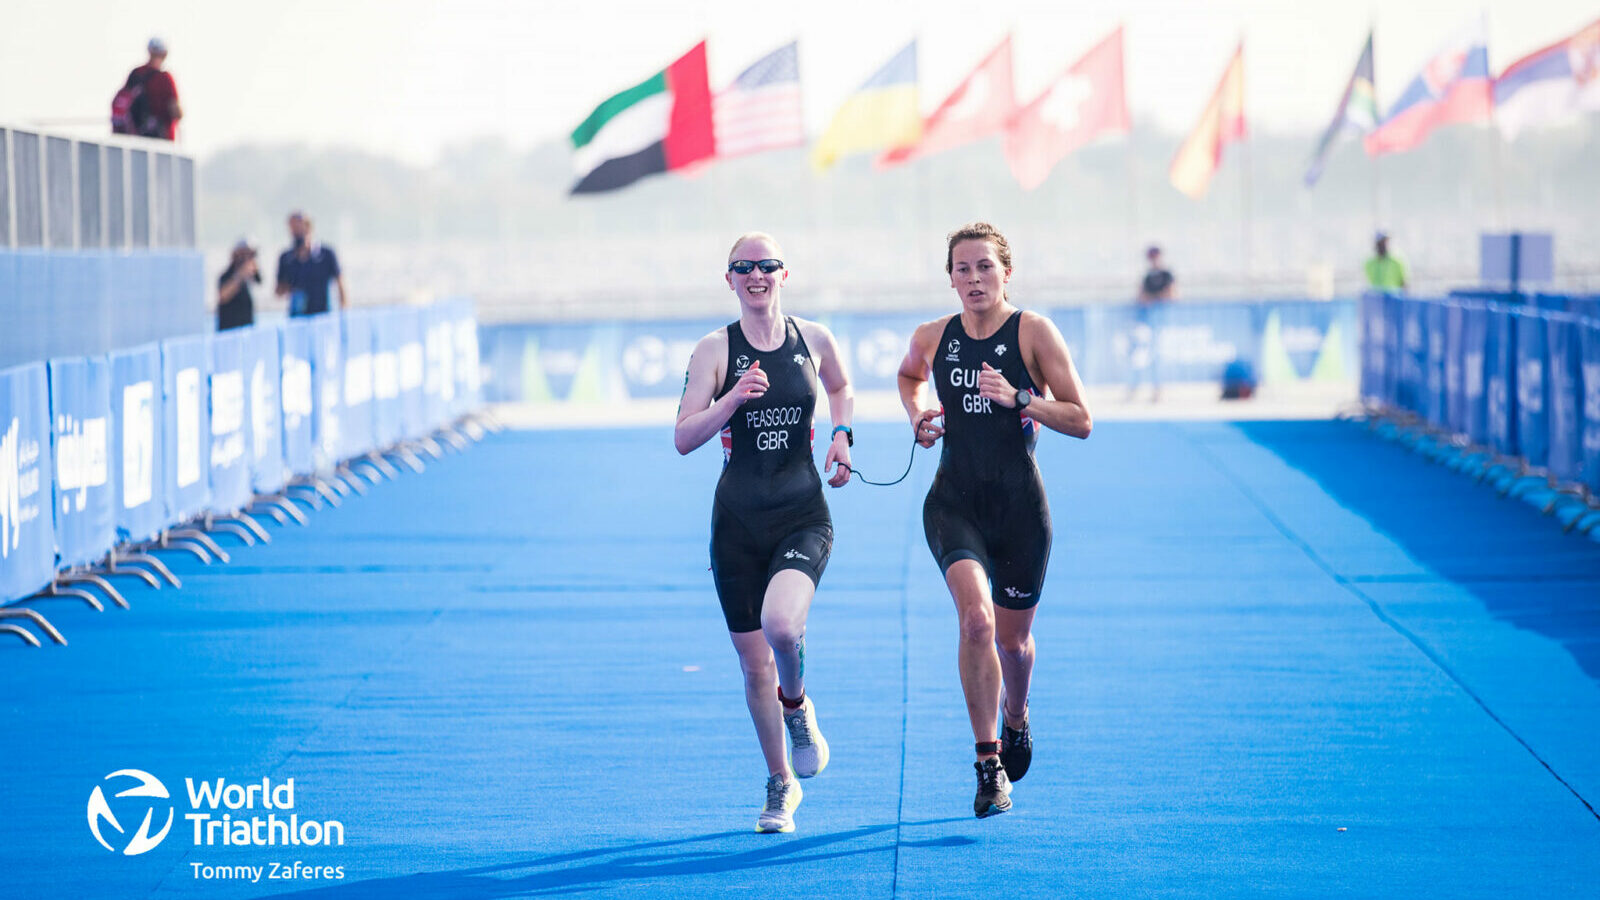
(150, 794)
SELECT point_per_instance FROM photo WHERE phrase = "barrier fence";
(1506, 386)
(102, 451)
(1286, 341)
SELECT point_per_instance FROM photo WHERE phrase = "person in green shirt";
(1386, 271)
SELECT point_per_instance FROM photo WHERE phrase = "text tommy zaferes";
(254, 831)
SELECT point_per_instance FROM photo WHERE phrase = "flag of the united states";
(761, 109)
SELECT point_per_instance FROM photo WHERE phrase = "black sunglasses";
(745, 266)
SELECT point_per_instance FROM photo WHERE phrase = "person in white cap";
(148, 102)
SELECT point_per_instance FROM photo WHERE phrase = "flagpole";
(1244, 180)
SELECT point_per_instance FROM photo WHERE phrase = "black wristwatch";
(1023, 399)
(849, 436)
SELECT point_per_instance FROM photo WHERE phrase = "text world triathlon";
(256, 831)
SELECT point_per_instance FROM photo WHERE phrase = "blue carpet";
(1280, 659)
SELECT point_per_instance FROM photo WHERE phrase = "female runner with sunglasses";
(755, 382)
(999, 373)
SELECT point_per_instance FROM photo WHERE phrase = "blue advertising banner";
(297, 388)
(27, 528)
(137, 463)
(1532, 333)
(872, 346)
(1455, 396)
(1590, 329)
(1500, 381)
(230, 425)
(1566, 396)
(264, 363)
(386, 413)
(80, 433)
(186, 426)
(1474, 372)
(356, 415)
(327, 389)
(1303, 340)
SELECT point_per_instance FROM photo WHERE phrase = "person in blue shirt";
(306, 269)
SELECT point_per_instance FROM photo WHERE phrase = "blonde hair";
(754, 236)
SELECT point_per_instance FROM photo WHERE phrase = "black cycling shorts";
(744, 559)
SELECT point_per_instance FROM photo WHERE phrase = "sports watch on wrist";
(1023, 399)
(849, 436)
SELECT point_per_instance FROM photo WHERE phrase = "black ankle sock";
(791, 704)
(987, 747)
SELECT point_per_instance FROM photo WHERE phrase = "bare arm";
(1045, 352)
(699, 415)
(913, 382)
(841, 397)
(344, 296)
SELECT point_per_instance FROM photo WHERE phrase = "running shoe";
(994, 789)
(1016, 748)
(808, 752)
(783, 798)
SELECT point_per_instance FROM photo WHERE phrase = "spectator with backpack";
(147, 104)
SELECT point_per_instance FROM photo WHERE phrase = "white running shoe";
(783, 798)
(808, 752)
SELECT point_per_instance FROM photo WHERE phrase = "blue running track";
(1276, 659)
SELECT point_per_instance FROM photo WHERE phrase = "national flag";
(1221, 124)
(883, 112)
(1086, 102)
(978, 107)
(1357, 113)
(1453, 86)
(1550, 84)
(761, 109)
(659, 124)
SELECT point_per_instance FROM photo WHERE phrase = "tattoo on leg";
(800, 649)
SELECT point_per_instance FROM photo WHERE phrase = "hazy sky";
(406, 77)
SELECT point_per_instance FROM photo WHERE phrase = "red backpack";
(129, 107)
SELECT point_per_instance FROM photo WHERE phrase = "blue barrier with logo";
(1433, 379)
(1413, 355)
(297, 387)
(467, 365)
(872, 345)
(327, 389)
(1474, 371)
(1590, 340)
(230, 424)
(1564, 341)
(1455, 398)
(386, 411)
(439, 387)
(1374, 347)
(1532, 335)
(186, 427)
(264, 365)
(1500, 380)
(27, 527)
(413, 374)
(356, 415)
(137, 461)
(80, 433)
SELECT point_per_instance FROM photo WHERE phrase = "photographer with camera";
(235, 307)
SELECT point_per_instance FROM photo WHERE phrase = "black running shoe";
(1016, 748)
(994, 789)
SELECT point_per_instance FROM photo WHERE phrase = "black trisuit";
(768, 513)
(987, 501)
